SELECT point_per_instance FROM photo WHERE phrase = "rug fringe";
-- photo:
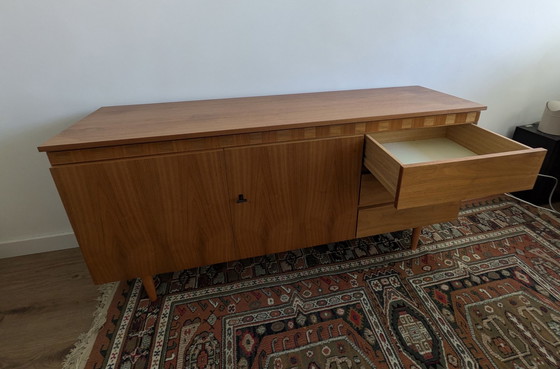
(77, 357)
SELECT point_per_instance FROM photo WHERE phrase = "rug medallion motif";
(480, 292)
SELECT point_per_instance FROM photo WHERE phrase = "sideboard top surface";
(130, 124)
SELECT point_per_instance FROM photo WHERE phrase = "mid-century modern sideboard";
(162, 187)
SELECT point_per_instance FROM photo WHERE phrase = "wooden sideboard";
(162, 187)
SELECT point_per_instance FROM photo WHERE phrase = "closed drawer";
(446, 164)
(385, 218)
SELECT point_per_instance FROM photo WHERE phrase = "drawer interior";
(444, 143)
(435, 165)
(431, 149)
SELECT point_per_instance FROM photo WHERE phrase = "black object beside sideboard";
(529, 135)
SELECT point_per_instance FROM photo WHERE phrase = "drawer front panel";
(137, 217)
(295, 195)
(386, 218)
(467, 179)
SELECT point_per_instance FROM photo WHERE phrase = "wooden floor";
(46, 301)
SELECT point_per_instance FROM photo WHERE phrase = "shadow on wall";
(26, 188)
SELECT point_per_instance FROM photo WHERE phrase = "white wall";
(62, 59)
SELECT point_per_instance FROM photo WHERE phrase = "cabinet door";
(136, 217)
(297, 194)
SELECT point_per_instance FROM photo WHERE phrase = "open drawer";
(444, 164)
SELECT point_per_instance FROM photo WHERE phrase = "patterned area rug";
(480, 292)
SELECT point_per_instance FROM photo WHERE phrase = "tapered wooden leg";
(415, 237)
(150, 287)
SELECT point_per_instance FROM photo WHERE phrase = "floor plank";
(46, 301)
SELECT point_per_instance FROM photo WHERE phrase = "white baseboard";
(37, 245)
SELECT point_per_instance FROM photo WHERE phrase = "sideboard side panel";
(136, 217)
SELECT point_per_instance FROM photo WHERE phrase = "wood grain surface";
(408, 134)
(255, 138)
(383, 165)
(459, 179)
(191, 119)
(373, 193)
(386, 218)
(138, 217)
(482, 141)
(298, 194)
(47, 300)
